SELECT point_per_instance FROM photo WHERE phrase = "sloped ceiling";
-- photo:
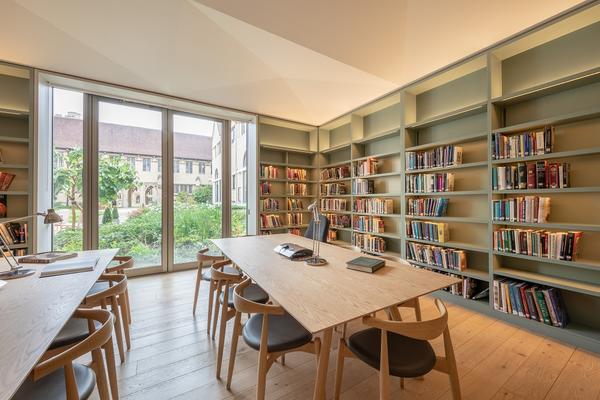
(307, 61)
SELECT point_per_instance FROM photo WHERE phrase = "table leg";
(321, 382)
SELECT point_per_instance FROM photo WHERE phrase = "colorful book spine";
(438, 157)
(335, 173)
(297, 189)
(338, 220)
(368, 243)
(296, 174)
(430, 207)
(368, 224)
(363, 186)
(534, 175)
(333, 204)
(531, 209)
(424, 230)
(540, 141)
(538, 243)
(437, 256)
(430, 183)
(373, 206)
(331, 189)
(365, 168)
(269, 172)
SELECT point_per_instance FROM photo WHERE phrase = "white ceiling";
(305, 60)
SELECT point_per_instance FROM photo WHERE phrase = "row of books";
(374, 206)
(270, 205)
(331, 235)
(297, 189)
(6, 180)
(425, 230)
(330, 189)
(295, 218)
(269, 172)
(363, 186)
(332, 204)
(525, 144)
(522, 209)
(430, 183)
(295, 231)
(14, 232)
(430, 207)
(270, 221)
(368, 243)
(368, 224)
(538, 243)
(442, 156)
(534, 175)
(335, 173)
(295, 204)
(338, 220)
(437, 256)
(538, 303)
(364, 168)
(265, 188)
(296, 174)
(469, 288)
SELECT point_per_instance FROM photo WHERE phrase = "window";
(131, 161)
(177, 163)
(202, 167)
(159, 165)
(146, 165)
(189, 167)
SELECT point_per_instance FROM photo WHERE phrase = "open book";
(71, 266)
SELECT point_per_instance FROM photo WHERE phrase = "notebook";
(47, 257)
(365, 264)
(72, 266)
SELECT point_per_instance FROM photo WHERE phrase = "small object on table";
(75, 266)
(315, 260)
(47, 257)
(365, 264)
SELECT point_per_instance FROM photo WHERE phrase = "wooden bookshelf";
(550, 77)
(15, 139)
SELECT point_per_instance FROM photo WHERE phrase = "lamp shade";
(52, 217)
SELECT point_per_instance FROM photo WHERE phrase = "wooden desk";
(32, 312)
(322, 297)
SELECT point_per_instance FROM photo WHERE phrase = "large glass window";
(129, 196)
(197, 210)
(238, 167)
(67, 147)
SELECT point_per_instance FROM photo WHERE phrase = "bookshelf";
(288, 175)
(16, 150)
(548, 77)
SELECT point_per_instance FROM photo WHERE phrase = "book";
(365, 264)
(3, 205)
(47, 257)
(72, 266)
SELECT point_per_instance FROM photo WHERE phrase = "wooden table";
(32, 312)
(321, 298)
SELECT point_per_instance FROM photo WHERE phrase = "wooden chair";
(115, 296)
(57, 376)
(225, 282)
(271, 331)
(400, 349)
(123, 263)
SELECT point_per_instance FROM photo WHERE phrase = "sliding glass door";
(130, 141)
(197, 199)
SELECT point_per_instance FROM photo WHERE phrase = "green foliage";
(203, 194)
(114, 174)
(115, 214)
(107, 216)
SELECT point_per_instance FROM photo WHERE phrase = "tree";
(68, 180)
(114, 174)
(203, 194)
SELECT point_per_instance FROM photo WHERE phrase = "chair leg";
(197, 290)
(262, 374)
(124, 313)
(418, 309)
(283, 359)
(128, 306)
(222, 327)
(451, 365)
(237, 330)
(100, 371)
(217, 305)
(118, 332)
(109, 353)
(401, 383)
(384, 369)
(339, 369)
(211, 297)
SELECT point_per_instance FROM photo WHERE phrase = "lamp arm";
(24, 218)
(10, 264)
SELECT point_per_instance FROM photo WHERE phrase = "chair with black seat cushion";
(323, 229)
(122, 263)
(271, 331)
(225, 282)
(402, 349)
(58, 377)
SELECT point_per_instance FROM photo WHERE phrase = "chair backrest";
(97, 338)
(421, 330)
(124, 262)
(243, 305)
(117, 286)
(202, 257)
(217, 274)
(323, 229)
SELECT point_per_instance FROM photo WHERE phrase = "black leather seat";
(227, 269)
(408, 358)
(74, 331)
(53, 387)
(323, 229)
(98, 287)
(253, 293)
(285, 333)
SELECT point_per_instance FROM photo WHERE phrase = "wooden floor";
(171, 357)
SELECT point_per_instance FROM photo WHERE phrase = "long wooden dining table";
(33, 310)
(323, 297)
